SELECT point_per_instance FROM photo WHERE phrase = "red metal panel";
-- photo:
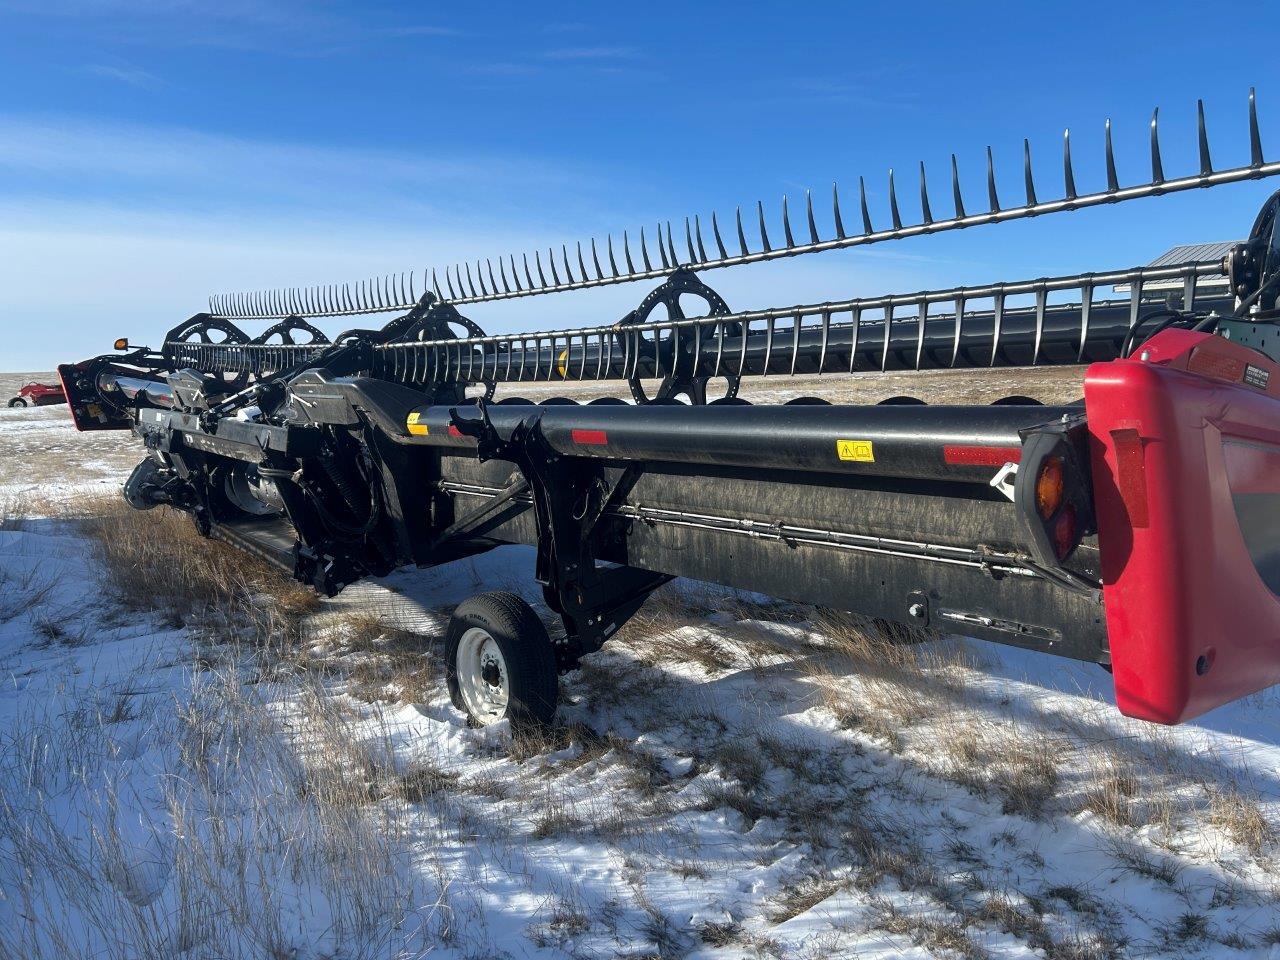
(1190, 621)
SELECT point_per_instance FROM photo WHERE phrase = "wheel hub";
(491, 673)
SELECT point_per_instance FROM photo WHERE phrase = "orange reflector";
(980, 456)
(1064, 531)
(596, 438)
(1049, 487)
(122, 343)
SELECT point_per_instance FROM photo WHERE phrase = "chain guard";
(678, 352)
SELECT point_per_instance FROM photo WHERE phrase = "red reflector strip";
(1131, 475)
(595, 438)
(454, 431)
(981, 456)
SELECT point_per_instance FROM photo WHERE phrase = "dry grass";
(1241, 819)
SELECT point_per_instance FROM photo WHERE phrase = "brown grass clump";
(1240, 818)
(158, 562)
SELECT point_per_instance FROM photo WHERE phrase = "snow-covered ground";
(730, 778)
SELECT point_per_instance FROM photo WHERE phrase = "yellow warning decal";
(416, 428)
(860, 451)
(563, 362)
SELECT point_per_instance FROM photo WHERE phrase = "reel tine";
(742, 237)
(1157, 168)
(991, 184)
(795, 341)
(551, 260)
(1086, 308)
(925, 212)
(922, 317)
(764, 236)
(1206, 164)
(1026, 173)
(826, 336)
(470, 282)
(715, 231)
(626, 252)
(595, 260)
(671, 247)
(448, 281)
(502, 275)
(493, 283)
(582, 266)
(790, 241)
(484, 291)
(955, 189)
(1255, 138)
(542, 277)
(893, 203)
(997, 318)
(527, 275)
(662, 250)
(1041, 297)
(866, 214)
(888, 328)
(688, 241)
(835, 210)
(515, 275)
(1113, 182)
(435, 282)
(644, 253)
(958, 305)
(697, 232)
(808, 209)
(1068, 174)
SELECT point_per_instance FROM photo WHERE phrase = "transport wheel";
(499, 662)
(17, 402)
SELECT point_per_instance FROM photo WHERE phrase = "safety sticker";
(416, 428)
(860, 451)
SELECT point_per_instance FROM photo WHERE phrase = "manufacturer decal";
(1256, 376)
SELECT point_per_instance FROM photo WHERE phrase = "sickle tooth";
(925, 212)
(613, 264)
(991, 183)
(1206, 165)
(1255, 138)
(835, 210)
(1068, 174)
(1113, 182)
(956, 197)
(1026, 173)
(893, 203)
(862, 198)
(626, 252)
(715, 232)
(1157, 168)
(595, 260)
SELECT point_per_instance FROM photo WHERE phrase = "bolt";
(916, 610)
(1145, 356)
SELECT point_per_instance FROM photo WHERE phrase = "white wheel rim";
(480, 663)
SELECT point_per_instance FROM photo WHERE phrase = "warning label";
(860, 451)
(414, 427)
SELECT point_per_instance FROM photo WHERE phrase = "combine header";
(1138, 528)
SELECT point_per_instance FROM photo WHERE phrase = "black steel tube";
(920, 442)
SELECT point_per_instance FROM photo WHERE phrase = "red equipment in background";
(39, 395)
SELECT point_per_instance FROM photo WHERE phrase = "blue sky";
(154, 152)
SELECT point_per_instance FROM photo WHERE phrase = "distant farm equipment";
(1138, 528)
(39, 395)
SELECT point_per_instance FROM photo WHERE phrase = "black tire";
(17, 402)
(530, 662)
